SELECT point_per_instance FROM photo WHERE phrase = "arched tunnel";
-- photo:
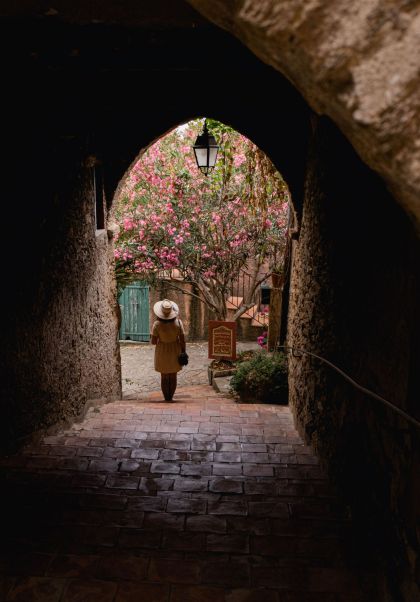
(85, 88)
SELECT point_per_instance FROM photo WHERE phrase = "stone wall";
(61, 323)
(354, 299)
(356, 63)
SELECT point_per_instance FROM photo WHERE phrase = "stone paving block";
(258, 470)
(122, 482)
(186, 542)
(117, 452)
(90, 451)
(256, 458)
(237, 543)
(182, 484)
(188, 429)
(122, 566)
(135, 467)
(196, 469)
(72, 565)
(139, 592)
(238, 508)
(103, 465)
(266, 488)
(36, 589)
(54, 440)
(228, 447)
(89, 535)
(139, 434)
(139, 539)
(165, 468)
(230, 429)
(174, 571)
(167, 428)
(127, 443)
(255, 595)
(151, 485)
(272, 545)
(173, 455)
(227, 439)
(283, 578)
(227, 457)
(164, 521)
(179, 445)
(251, 439)
(226, 574)
(254, 447)
(225, 486)
(90, 591)
(203, 445)
(249, 524)
(189, 506)
(227, 470)
(274, 509)
(152, 443)
(206, 524)
(145, 454)
(147, 503)
(196, 594)
(209, 428)
(62, 450)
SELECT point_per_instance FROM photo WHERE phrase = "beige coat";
(169, 344)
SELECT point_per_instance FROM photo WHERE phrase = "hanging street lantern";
(205, 151)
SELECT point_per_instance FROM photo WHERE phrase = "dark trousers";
(168, 385)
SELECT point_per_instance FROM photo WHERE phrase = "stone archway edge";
(355, 62)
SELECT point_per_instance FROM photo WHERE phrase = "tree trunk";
(275, 312)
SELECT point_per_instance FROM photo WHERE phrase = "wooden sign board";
(222, 340)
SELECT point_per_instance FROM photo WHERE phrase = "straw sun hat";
(166, 310)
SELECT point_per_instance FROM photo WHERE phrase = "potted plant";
(262, 379)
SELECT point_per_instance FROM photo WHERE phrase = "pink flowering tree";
(171, 217)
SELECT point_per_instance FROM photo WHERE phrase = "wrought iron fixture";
(205, 150)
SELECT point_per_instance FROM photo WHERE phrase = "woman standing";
(168, 336)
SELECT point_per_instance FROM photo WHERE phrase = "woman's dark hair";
(165, 320)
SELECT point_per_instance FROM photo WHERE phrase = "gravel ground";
(139, 376)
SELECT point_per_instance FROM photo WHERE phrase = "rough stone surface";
(356, 63)
(275, 530)
(354, 300)
(65, 346)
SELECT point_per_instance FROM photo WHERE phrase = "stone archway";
(65, 105)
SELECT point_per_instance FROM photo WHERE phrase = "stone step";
(202, 498)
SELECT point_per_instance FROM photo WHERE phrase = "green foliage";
(262, 379)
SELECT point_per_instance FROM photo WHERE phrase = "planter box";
(215, 373)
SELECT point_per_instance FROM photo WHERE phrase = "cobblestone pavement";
(199, 500)
(139, 376)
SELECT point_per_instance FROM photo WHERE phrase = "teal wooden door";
(134, 304)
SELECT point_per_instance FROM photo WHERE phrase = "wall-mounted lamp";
(205, 150)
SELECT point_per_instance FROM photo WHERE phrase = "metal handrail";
(387, 403)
